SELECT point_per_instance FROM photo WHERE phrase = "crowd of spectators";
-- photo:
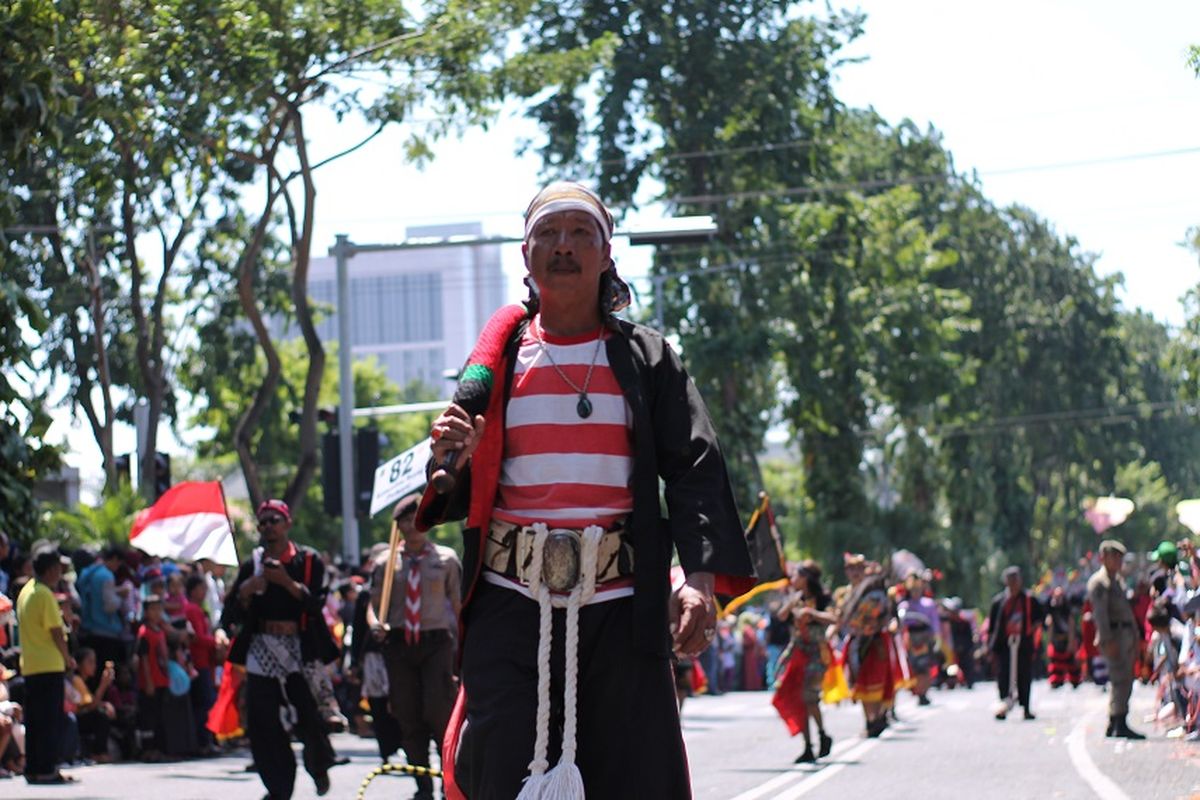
(141, 658)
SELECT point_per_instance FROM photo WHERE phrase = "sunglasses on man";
(264, 522)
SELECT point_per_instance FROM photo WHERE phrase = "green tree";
(107, 522)
(691, 95)
(36, 108)
(129, 164)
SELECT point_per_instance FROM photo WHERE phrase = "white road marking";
(806, 780)
(806, 786)
(1101, 784)
(794, 773)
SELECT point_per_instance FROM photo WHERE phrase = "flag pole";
(389, 575)
(774, 531)
(229, 519)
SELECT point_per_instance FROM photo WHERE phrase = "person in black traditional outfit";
(1062, 651)
(275, 608)
(560, 469)
(1015, 615)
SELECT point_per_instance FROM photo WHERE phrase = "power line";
(912, 180)
(1113, 415)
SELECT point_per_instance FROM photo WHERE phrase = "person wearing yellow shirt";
(44, 662)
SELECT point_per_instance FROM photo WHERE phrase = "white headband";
(567, 196)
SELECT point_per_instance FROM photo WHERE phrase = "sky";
(1074, 108)
(1077, 109)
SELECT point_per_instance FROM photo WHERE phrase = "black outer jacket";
(997, 640)
(673, 439)
(316, 643)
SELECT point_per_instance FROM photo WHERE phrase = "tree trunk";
(248, 423)
(306, 466)
(105, 430)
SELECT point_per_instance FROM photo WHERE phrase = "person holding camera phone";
(275, 607)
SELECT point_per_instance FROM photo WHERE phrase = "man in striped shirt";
(559, 483)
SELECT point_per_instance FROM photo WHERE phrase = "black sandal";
(55, 779)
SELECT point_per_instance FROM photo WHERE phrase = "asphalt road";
(954, 748)
(739, 750)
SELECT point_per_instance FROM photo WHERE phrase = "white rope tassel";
(564, 782)
(535, 783)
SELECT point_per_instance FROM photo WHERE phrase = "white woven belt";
(564, 782)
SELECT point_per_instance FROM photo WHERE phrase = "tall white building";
(417, 311)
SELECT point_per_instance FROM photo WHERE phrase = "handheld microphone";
(474, 390)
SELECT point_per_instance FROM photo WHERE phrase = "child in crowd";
(122, 696)
(152, 680)
(203, 647)
(175, 598)
(179, 724)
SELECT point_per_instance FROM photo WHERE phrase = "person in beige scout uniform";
(418, 635)
(1116, 634)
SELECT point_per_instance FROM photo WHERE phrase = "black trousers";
(270, 744)
(203, 694)
(1024, 671)
(387, 729)
(44, 722)
(421, 689)
(152, 718)
(629, 742)
(94, 726)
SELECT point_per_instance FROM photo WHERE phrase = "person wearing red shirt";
(152, 679)
(203, 644)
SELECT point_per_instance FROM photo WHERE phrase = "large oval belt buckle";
(560, 560)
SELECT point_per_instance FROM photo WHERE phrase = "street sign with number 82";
(397, 477)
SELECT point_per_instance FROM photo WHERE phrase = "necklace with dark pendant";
(584, 407)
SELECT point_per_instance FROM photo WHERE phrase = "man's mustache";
(558, 262)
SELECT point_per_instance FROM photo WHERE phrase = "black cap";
(407, 503)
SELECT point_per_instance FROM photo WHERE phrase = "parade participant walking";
(44, 662)
(1064, 641)
(417, 635)
(868, 653)
(922, 623)
(275, 605)
(799, 695)
(586, 413)
(1116, 634)
(1014, 616)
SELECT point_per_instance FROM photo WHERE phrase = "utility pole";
(342, 250)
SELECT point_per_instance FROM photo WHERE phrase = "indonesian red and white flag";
(188, 523)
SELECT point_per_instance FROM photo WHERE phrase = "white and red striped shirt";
(558, 467)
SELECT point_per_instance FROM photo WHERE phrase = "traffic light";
(121, 463)
(331, 474)
(366, 458)
(162, 474)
